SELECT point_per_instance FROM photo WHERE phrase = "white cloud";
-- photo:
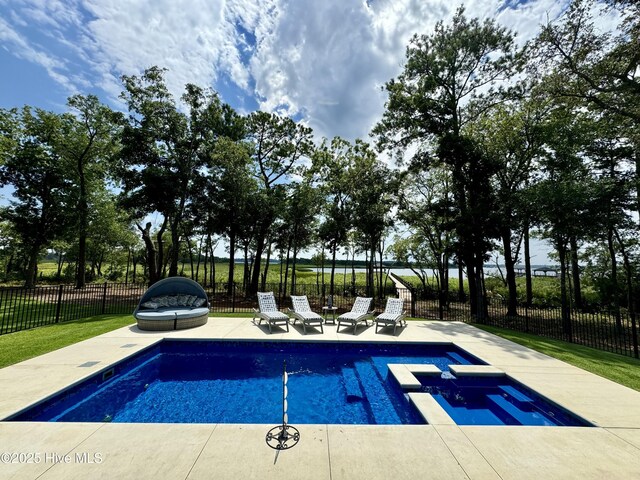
(323, 61)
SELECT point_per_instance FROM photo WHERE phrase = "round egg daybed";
(173, 303)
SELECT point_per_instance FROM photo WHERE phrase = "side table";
(325, 313)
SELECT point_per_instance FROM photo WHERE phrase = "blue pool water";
(495, 401)
(240, 382)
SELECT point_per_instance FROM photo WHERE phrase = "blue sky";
(321, 61)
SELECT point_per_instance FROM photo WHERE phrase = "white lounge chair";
(359, 313)
(268, 311)
(302, 311)
(393, 314)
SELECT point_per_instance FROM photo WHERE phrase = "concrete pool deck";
(611, 450)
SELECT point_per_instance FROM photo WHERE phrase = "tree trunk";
(190, 258)
(232, 260)
(198, 259)
(205, 263)
(286, 269)
(293, 268)
(126, 275)
(614, 279)
(175, 248)
(212, 281)
(255, 277)
(151, 253)
(32, 267)
(509, 265)
(481, 303)
(461, 296)
(160, 242)
(527, 267)
(575, 272)
(564, 304)
(334, 248)
(266, 267)
(245, 268)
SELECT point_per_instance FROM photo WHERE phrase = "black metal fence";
(612, 331)
(22, 309)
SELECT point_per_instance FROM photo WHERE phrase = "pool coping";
(327, 451)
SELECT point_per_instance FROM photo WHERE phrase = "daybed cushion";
(156, 314)
(170, 313)
(192, 313)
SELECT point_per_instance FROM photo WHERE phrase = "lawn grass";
(19, 346)
(621, 369)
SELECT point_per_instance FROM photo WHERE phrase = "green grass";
(19, 346)
(621, 369)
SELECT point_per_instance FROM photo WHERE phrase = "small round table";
(325, 312)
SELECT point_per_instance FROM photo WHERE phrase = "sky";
(323, 62)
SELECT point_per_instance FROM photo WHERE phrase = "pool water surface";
(240, 382)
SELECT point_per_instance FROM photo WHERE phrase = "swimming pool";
(240, 382)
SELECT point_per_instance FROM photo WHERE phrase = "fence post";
(59, 305)
(104, 298)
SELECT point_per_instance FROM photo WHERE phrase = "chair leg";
(321, 329)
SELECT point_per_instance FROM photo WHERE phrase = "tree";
(564, 195)
(229, 196)
(372, 188)
(599, 69)
(511, 135)
(31, 163)
(330, 165)
(427, 206)
(88, 144)
(448, 80)
(278, 144)
(164, 153)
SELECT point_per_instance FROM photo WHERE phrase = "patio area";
(191, 451)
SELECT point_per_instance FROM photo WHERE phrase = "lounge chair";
(302, 311)
(393, 314)
(359, 313)
(268, 310)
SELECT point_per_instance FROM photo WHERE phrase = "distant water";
(407, 272)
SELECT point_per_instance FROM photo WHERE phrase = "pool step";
(351, 385)
(458, 358)
(522, 417)
(515, 393)
(382, 410)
